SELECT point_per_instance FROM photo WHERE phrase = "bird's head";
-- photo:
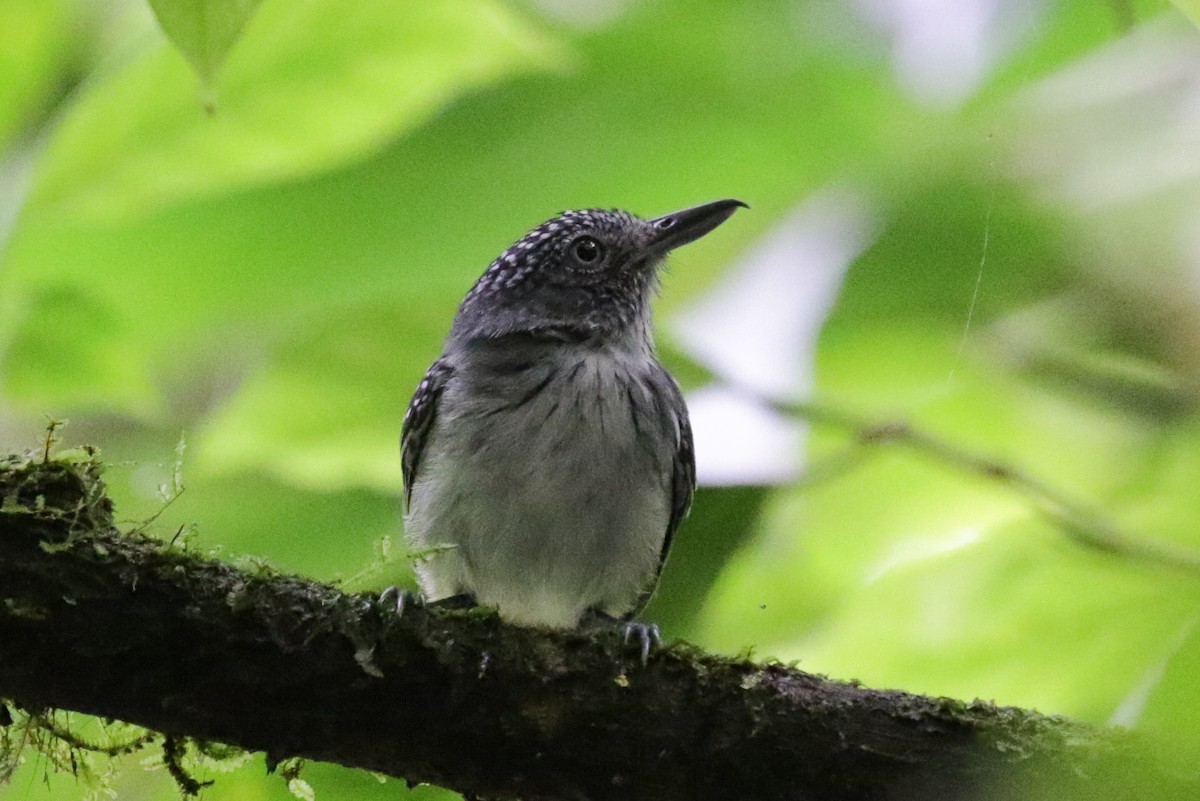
(583, 274)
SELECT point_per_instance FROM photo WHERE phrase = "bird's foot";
(399, 599)
(645, 635)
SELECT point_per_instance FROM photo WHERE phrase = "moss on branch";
(125, 626)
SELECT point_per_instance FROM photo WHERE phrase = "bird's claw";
(647, 635)
(398, 598)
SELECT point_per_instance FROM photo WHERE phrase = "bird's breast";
(551, 482)
(590, 410)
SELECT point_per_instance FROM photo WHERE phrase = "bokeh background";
(945, 373)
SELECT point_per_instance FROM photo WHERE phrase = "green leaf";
(226, 279)
(204, 30)
(230, 283)
(312, 85)
(325, 85)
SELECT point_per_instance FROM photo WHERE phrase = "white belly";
(550, 508)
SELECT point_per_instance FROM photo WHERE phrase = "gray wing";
(683, 471)
(683, 477)
(418, 422)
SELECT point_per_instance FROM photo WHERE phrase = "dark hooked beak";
(679, 228)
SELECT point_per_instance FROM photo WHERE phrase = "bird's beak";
(673, 230)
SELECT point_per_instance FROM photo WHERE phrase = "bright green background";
(264, 252)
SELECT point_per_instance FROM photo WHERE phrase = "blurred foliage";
(268, 257)
(1189, 7)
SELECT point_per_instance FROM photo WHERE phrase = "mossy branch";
(124, 626)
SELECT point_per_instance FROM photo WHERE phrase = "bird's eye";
(587, 250)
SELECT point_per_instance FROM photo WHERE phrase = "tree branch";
(124, 626)
(1080, 522)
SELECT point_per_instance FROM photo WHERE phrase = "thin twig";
(52, 427)
(1081, 522)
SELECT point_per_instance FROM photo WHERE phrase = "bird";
(547, 455)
